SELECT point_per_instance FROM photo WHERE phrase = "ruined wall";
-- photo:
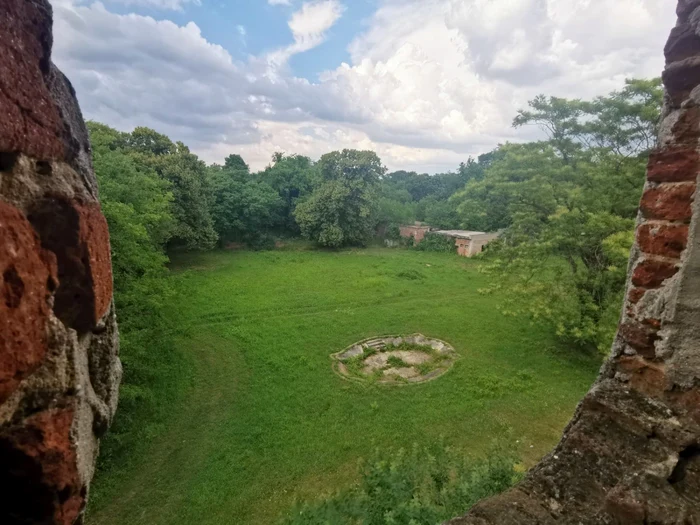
(631, 454)
(416, 231)
(59, 365)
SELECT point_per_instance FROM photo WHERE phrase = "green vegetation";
(423, 485)
(436, 243)
(568, 206)
(229, 410)
(256, 419)
(341, 211)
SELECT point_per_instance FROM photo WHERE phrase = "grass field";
(258, 418)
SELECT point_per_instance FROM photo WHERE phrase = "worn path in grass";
(263, 419)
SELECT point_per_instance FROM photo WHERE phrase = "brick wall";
(417, 232)
(59, 365)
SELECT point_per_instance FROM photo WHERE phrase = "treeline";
(566, 204)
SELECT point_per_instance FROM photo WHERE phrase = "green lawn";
(261, 419)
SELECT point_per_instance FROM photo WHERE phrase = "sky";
(424, 83)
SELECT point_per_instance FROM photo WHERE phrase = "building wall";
(475, 245)
(478, 242)
(417, 232)
(463, 246)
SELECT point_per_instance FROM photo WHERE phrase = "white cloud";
(175, 5)
(309, 26)
(279, 2)
(428, 83)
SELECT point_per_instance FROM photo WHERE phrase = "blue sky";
(424, 83)
(246, 27)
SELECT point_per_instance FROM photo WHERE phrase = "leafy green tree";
(293, 177)
(194, 228)
(149, 142)
(342, 211)
(244, 209)
(568, 206)
(137, 205)
(236, 163)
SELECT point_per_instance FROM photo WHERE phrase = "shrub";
(433, 242)
(421, 486)
(261, 242)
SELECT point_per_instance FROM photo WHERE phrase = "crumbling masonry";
(59, 365)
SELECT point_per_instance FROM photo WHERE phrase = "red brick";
(668, 240)
(673, 164)
(44, 440)
(94, 236)
(27, 279)
(651, 274)
(30, 120)
(635, 295)
(77, 233)
(640, 337)
(668, 202)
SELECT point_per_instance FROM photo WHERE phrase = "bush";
(261, 242)
(421, 486)
(433, 242)
(393, 232)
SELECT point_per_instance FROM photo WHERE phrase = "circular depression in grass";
(395, 359)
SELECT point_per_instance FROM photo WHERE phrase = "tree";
(243, 209)
(236, 163)
(194, 227)
(568, 206)
(293, 177)
(342, 211)
(137, 205)
(149, 142)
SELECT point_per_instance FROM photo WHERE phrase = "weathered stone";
(383, 350)
(351, 352)
(376, 362)
(439, 346)
(685, 7)
(78, 235)
(635, 295)
(404, 372)
(31, 122)
(681, 77)
(640, 337)
(682, 44)
(40, 470)
(410, 357)
(686, 128)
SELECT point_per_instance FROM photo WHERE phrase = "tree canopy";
(341, 211)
